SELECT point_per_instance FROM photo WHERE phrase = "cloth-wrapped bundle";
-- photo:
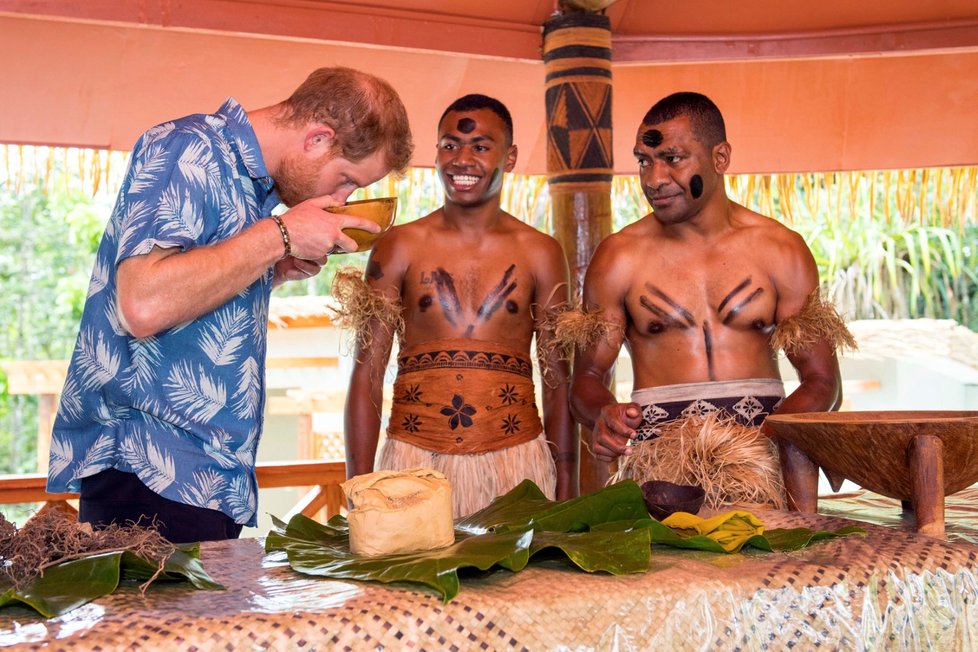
(399, 511)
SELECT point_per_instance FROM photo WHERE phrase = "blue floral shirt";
(181, 409)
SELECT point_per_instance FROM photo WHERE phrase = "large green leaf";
(505, 534)
(526, 506)
(796, 538)
(618, 552)
(437, 569)
(184, 564)
(71, 584)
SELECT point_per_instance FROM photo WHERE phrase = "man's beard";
(296, 181)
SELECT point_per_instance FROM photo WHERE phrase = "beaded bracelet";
(286, 240)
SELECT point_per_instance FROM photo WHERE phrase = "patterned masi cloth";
(182, 409)
(463, 396)
(748, 401)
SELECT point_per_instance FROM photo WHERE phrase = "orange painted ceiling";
(826, 85)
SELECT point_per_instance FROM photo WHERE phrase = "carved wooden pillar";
(577, 56)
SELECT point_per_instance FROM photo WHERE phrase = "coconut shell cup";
(665, 498)
(380, 211)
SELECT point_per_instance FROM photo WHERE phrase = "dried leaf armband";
(817, 322)
(359, 307)
(582, 328)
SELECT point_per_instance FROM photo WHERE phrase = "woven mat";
(889, 590)
(960, 511)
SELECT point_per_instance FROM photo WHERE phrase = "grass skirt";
(478, 478)
(734, 463)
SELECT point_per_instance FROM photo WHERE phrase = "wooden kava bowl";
(381, 211)
(916, 456)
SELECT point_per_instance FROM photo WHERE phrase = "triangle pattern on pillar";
(558, 135)
(589, 114)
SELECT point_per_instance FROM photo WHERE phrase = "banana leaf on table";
(606, 531)
(73, 583)
(513, 528)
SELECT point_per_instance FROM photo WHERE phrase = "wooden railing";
(324, 478)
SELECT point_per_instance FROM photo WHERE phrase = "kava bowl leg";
(926, 458)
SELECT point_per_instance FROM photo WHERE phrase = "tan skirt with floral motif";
(467, 408)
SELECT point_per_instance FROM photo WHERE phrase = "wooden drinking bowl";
(918, 456)
(663, 499)
(381, 211)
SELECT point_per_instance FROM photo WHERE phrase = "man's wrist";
(286, 239)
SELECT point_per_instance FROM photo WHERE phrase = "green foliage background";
(47, 248)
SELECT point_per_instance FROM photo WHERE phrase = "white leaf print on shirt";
(224, 336)
(145, 358)
(154, 467)
(241, 498)
(179, 215)
(259, 322)
(246, 452)
(197, 164)
(100, 277)
(109, 415)
(219, 450)
(97, 362)
(146, 171)
(134, 219)
(205, 490)
(155, 413)
(200, 396)
(112, 316)
(97, 457)
(70, 408)
(61, 455)
(157, 132)
(248, 393)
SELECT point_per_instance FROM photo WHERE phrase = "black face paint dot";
(465, 125)
(696, 186)
(511, 307)
(655, 327)
(652, 138)
(424, 302)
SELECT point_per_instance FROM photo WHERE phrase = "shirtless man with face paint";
(474, 286)
(695, 290)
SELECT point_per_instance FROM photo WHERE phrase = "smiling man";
(473, 285)
(161, 412)
(698, 290)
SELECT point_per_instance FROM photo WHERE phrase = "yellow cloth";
(731, 529)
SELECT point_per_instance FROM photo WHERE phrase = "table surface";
(907, 590)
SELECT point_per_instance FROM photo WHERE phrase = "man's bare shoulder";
(782, 251)
(410, 233)
(528, 235)
(633, 238)
(756, 225)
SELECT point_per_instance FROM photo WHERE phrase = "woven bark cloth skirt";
(467, 408)
(748, 401)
